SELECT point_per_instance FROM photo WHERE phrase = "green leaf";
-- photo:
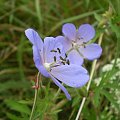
(97, 17)
(14, 105)
(12, 116)
(13, 85)
(97, 96)
(116, 19)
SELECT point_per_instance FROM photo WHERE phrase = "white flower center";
(75, 45)
(47, 66)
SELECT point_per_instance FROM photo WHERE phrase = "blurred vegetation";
(17, 70)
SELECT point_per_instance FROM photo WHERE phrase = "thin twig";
(89, 83)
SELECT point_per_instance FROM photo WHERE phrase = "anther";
(53, 51)
(54, 58)
(81, 37)
(59, 50)
(66, 55)
(62, 58)
(63, 63)
(84, 42)
(68, 62)
(84, 46)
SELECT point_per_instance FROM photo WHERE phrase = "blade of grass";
(38, 12)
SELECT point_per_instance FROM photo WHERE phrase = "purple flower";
(76, 43)
(51, 61)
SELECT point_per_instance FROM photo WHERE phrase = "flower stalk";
(89, 83)
(35, 96)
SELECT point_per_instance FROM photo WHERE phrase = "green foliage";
(17, 70)
(17, 106)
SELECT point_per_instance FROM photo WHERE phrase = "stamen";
(84, 43)
(66, 55)
(62, 58)
(53, 51)
(84, 46)
(81, 38)
(63, 63)
(54, 58)
(68, 62)
(72, 45)
(59, 50)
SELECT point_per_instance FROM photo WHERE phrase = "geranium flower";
(51, 61)
(76, 43)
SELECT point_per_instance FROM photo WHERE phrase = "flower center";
(47, 66)
(75, 45)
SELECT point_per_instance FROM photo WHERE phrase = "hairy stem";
(89, 83)
(35, 96)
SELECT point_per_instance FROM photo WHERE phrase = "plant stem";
(89, 83)
(35, 96)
